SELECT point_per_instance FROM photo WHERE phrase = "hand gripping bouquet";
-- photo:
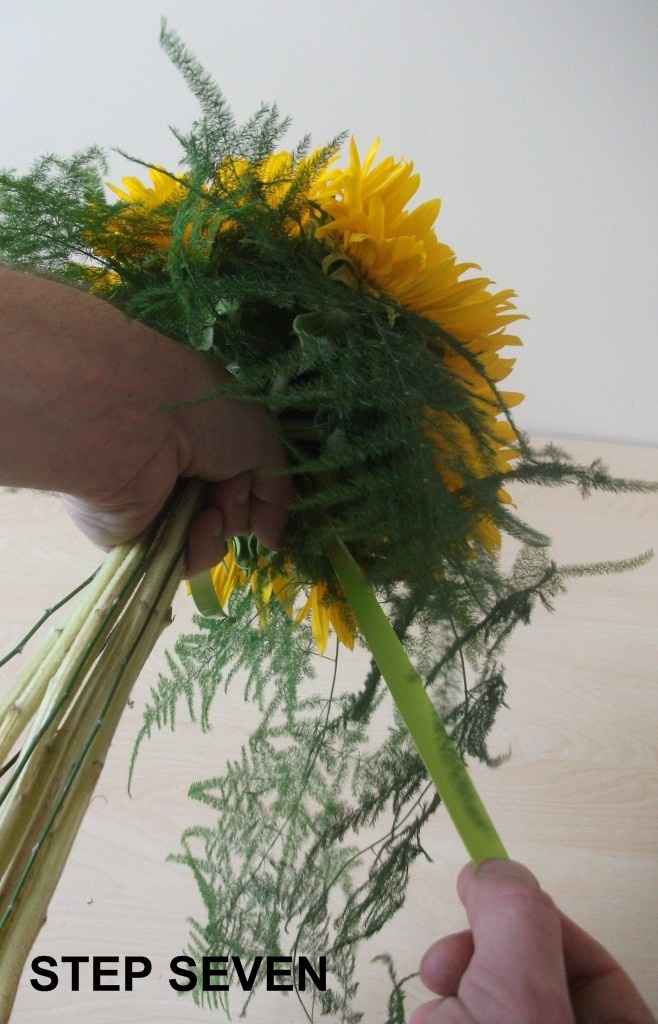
(332, 302)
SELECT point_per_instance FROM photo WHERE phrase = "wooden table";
(576, 800)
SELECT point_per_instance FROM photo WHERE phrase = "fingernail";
(242, 497)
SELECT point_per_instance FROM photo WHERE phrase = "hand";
(90, 406)
(522, 962)
(232, 445)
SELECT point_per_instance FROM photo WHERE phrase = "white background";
(534, 121)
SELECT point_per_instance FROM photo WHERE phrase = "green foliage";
(554, 467)
(316, 828)
(396, 1014)
(223, 650)
(47, 214)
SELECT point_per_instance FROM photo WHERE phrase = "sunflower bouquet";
(334, 304)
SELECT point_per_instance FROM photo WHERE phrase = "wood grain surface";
(576, 800)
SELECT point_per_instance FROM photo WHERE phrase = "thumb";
(517, 937)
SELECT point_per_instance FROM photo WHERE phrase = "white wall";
(534, 121)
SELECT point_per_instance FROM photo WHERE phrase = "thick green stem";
(439, 754)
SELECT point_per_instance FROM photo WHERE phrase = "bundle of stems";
(63, 712)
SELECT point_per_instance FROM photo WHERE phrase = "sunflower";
(164, 189)
(317, 606)
(140, 227)
(398, 253)
(144, 219)
(150, 210)
(394, 251)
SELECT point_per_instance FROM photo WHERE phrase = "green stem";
(437, 751)
(18, 649)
